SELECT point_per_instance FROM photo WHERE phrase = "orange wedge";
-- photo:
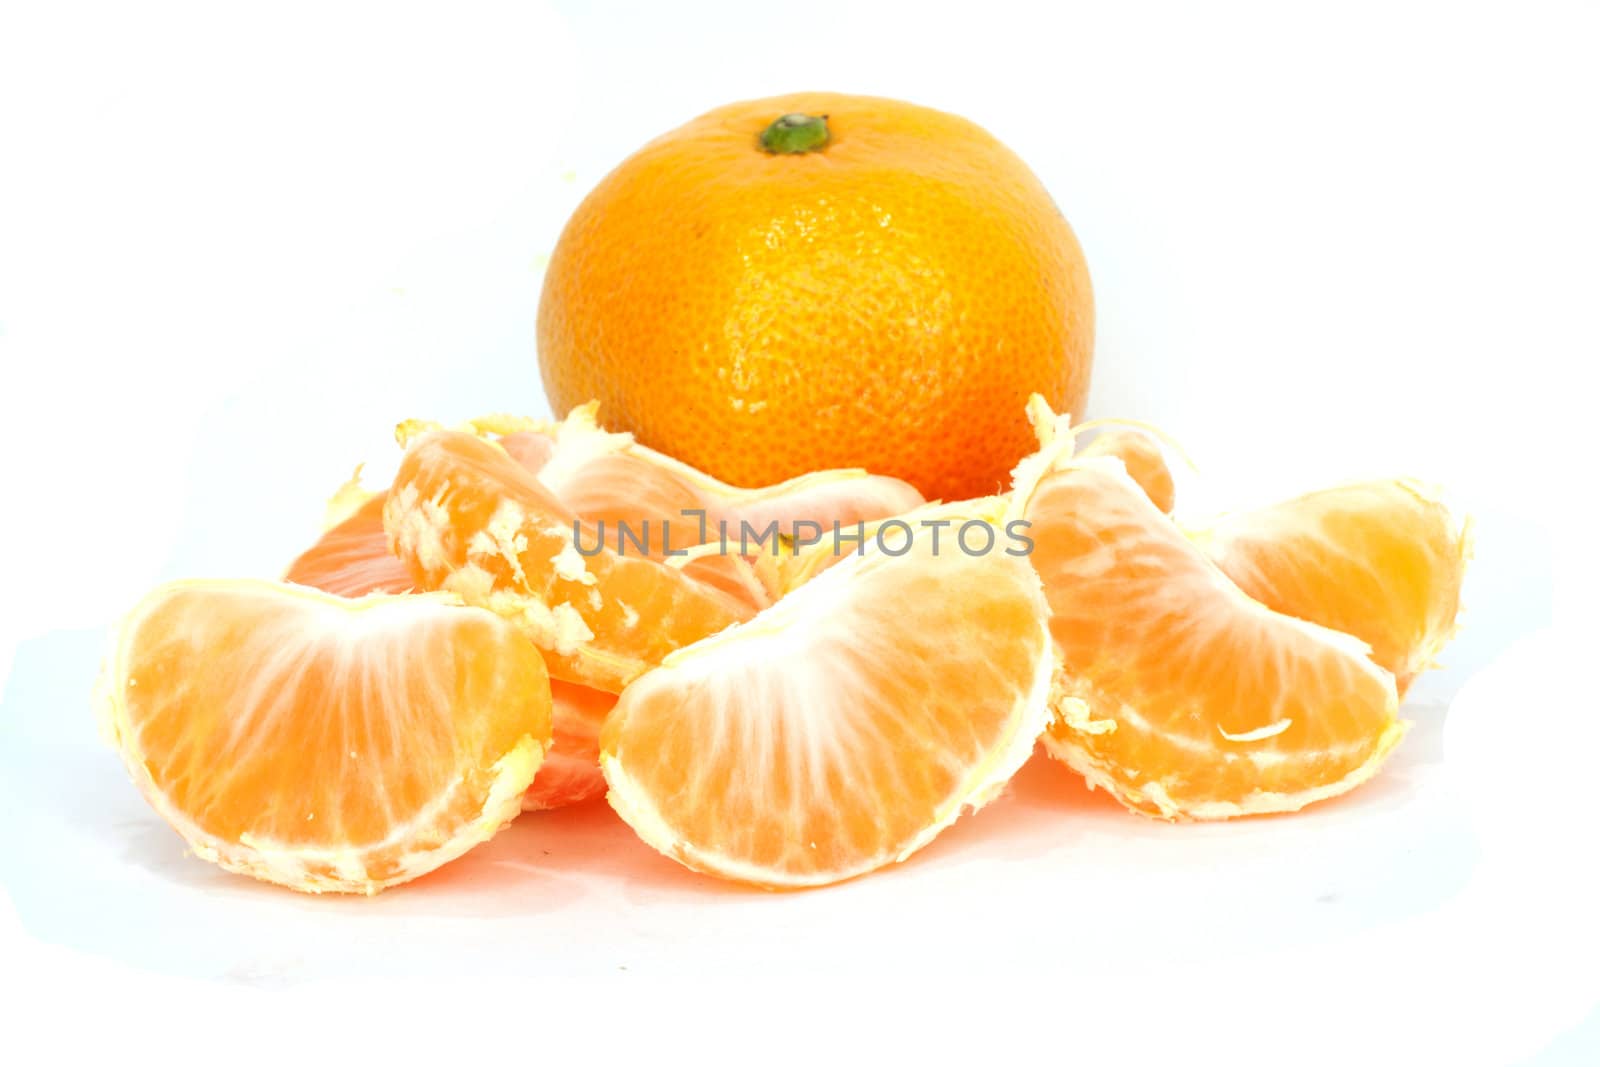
(1178, 693)
(467, 518)
(841, 729)
(321, 743)
(596, 472)
(1382, 560)
(611, 481)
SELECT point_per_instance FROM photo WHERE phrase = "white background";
(238, 243)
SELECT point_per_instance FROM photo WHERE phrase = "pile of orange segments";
(482, 639)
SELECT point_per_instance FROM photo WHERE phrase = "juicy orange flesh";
(353, 559)
(823, 738)
(1157, 640)
(1142, 459)
(636, 609)
(570, 772)
(304, 724)
(1381, 560)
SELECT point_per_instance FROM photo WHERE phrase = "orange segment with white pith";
(844, 727)
(467, 518)
(323, 743)
(1178, 693)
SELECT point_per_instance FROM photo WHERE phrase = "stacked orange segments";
(469, 643)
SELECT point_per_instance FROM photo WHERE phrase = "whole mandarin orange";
(821, 280)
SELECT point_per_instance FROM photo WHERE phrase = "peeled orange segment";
(467, 518)
(635, 476)
(321, 743)
(842, 728)
(1178, 693)
(1142, 458)
(611, 481)
(352, 558)
(570, 773)
(1382, 560)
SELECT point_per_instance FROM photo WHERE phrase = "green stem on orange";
(795, 133)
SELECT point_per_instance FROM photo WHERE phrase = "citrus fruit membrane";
(613, 483)
(842, 728)
(1383, 560)
(322, 743)
(1177, 692)
(467, 518)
